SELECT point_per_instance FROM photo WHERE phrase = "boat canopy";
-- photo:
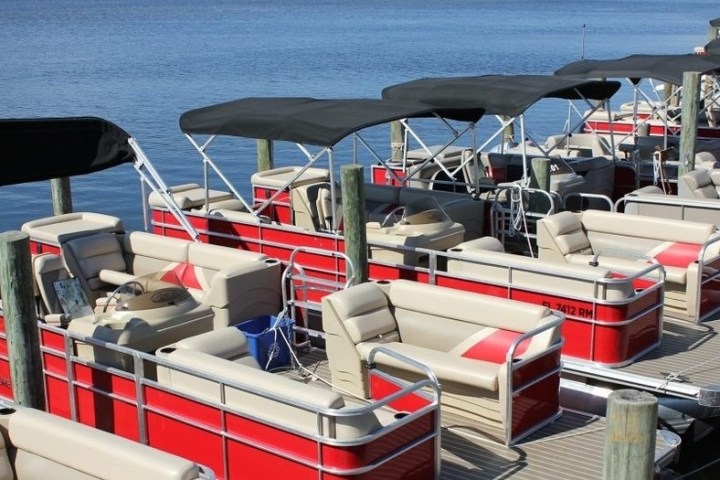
(508, 95)
(321, 122)
(715, 22)
(666, 68)
(45, 148)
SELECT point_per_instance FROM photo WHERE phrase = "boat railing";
(94, 390)
(593, 199)
(516, 209)
(683, 203)
(302, 290)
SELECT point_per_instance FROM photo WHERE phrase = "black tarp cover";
(715, 22)
(498, 94)
(666, 68)
(45, 148)
(322, 122)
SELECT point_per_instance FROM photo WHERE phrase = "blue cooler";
(265, 343)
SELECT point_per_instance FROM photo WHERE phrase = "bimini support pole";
(150, 176)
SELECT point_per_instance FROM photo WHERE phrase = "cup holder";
(7, 411)
(400, 415)
(383, 282)
(167, 350)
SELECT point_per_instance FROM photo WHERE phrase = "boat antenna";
(582, 54)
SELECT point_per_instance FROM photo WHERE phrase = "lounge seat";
(697, 184)
(223, 354)
(441, 328)
(597, 301)
(52, 231)
(428, 230)
(236, 284)
(37, 445)
(626, 243)
(191, 195)
(461, 208)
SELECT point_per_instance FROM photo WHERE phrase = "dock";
(570, 448)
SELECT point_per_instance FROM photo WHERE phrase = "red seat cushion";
(493, 348)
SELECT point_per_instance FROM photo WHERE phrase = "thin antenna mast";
(582, 55)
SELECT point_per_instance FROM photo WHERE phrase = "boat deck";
(686, 360)
(569, 448)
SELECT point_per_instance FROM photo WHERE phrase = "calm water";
(141, 63)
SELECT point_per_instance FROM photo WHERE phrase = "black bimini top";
(666, 68)
(498, 94)
(715, 22)
(713, 46)
(45, 148)
(305, 120)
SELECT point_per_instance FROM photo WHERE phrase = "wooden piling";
(265, 155)
(540, 173)
(540, 179)
(353, 188)
(397, 141)
(21, 319)
(508, 131)
(630, 436)
(61, 195)
(688, 130)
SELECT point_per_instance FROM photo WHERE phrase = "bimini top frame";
(664, 68)
(45, 148)
(304, 121)
(507, 97)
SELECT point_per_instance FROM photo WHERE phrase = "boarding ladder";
(514, 213)
(303, 291)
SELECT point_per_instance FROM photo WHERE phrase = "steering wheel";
(394, 214)
(113, 296)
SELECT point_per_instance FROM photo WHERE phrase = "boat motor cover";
(44, 148)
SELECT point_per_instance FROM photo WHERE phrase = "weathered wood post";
(508, 131)
(397, 141)
(21, 319)
(688, 130)
(61, 195)
(353, 188)
(540, 179)
(265, 160)
(630, 436)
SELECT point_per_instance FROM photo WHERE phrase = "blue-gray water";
(142, 63)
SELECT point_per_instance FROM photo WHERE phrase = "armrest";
(58, 319)
(113, 277)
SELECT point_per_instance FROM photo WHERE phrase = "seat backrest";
(697, 184)
(561, 234)
(364, 312)
(280, 409)
(148, 253)
(715, 177)
(86, 256)
(326, 210)
(304, 206)
(48, 446)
